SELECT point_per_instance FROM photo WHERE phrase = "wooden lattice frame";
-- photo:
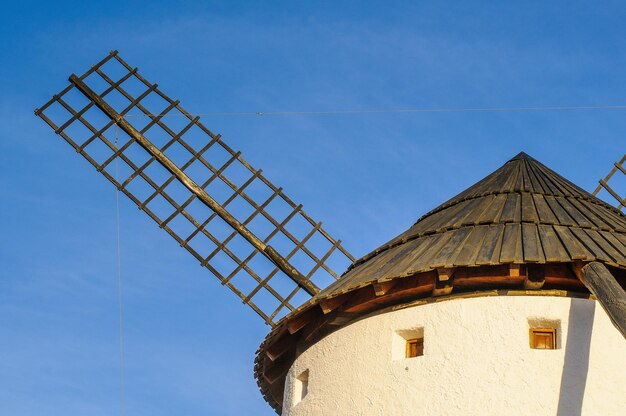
(271, 294)
(604, 183)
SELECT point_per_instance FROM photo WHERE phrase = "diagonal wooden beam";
(155, 152)
(602, 284)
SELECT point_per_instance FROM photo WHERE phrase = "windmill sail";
(232, 219)
(615, 190)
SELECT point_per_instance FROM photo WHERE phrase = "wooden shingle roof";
(522, 213)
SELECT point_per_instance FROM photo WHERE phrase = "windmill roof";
(523, 212)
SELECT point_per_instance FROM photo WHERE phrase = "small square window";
(407, 343)
(301, 387)
(414, 347)
(543, 338)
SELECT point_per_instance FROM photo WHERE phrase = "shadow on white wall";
(576, 361)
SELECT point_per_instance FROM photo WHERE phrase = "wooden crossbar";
(604, 183)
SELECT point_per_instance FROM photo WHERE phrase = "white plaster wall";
(477, 361)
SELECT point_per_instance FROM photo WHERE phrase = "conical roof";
(522, 213)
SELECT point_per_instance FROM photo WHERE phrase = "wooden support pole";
(607, 291)
(266, 250)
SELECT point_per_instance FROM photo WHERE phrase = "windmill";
(523, 231)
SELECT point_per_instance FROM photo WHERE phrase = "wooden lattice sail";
(233, 220)
(608, 184)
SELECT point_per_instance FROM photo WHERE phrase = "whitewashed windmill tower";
(486, 306)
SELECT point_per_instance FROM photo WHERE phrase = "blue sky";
(189, 344)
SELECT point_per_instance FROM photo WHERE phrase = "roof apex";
(521, 155)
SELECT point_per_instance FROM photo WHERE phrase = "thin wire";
(119, 278)
(388, 111)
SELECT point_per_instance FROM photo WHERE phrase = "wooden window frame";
(533, 332)
(419, 347)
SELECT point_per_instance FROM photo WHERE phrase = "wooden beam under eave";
(406, 288)
(278, 368)
(444, 281)
(280, 346)
(381, 288)
(277, 391)
(535, 276)
(329, 305)
(311, 330)
(515, 270)
(300, 321)
(359, 297)
(483, 277)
